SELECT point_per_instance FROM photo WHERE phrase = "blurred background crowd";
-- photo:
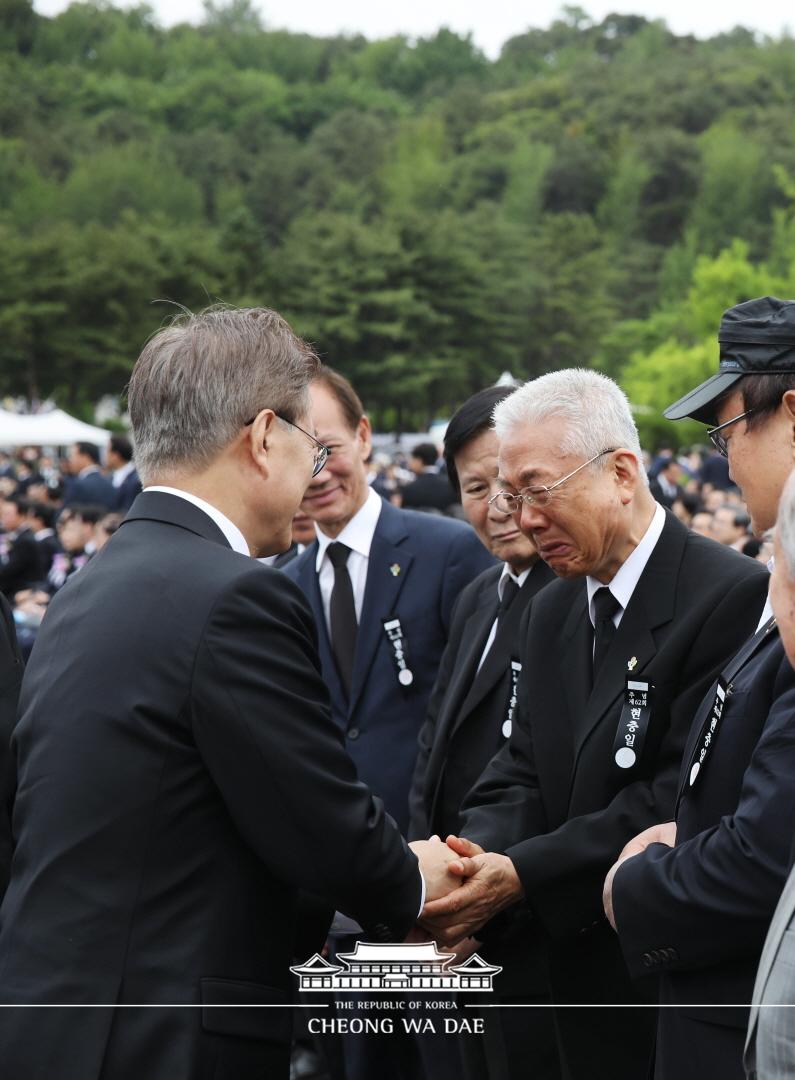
(57, 510)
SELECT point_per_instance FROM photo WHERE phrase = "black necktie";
(342, 614)
(605, 607)
(509, 591)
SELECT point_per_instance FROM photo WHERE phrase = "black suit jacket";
(11, 668)
(93, 489)
(553, 798)
(23, 564)
(699, 913)
(419, 564)
(430, 491)
(49, 547)
(469, 707)
(127, 492)
(179, 778)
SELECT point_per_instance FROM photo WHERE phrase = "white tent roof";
(55, 428)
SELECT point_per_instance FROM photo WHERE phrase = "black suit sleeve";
(262, 722)
(563, 871)
(419, 825)
(714, 895)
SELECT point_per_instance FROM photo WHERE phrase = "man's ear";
(364, 433)
(260, 438)
(626, 468)
(788, 404)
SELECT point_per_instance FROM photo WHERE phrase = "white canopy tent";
(54, 428)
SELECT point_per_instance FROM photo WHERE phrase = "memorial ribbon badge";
(398, 645)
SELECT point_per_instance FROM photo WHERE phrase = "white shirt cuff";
(422, 901)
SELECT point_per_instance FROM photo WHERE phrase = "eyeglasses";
(321, 451)
(507, 503)
(720, 442)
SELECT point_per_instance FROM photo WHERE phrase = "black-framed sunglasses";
(720, 442)
(321, 450)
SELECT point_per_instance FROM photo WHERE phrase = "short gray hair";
(596, 409)
(201, 378)
(785, 523)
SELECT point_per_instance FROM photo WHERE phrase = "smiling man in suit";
(382, 583)
(174, 794)
(616, 657)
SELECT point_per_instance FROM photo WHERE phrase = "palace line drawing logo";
(396, 968)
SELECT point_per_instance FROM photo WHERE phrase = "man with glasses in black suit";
(616, 657)
(692, 900)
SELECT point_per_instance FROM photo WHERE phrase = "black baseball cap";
(756, 338)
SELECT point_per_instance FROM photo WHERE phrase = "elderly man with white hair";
(615, 657)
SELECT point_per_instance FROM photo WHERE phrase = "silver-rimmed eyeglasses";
(508, 503)
(321, 451)
(720, 442)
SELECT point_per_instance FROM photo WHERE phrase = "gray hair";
(200, 379)
(596, 409)
(785, 523)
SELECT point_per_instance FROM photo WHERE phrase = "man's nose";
(530, 517)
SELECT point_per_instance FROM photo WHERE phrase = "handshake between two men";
(465, 887)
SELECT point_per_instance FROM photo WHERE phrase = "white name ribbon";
(515, 671)
(397, 641)
(709, 731)
(633, 723)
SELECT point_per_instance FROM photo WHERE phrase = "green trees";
(427, 217)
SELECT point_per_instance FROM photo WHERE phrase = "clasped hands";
(465, 887)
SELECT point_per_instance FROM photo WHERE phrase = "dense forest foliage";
(427, 217)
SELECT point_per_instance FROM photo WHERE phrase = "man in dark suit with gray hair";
(175, 793)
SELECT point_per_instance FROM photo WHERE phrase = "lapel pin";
(394, 569)
(632, 664)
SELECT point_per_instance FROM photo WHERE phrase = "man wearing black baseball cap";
(756, 338)
(697, 912)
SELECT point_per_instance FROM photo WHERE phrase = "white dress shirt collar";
(518, 579)
(767, 610)
(623, 584)
(121, 474)
(237, 541)
(357, 534)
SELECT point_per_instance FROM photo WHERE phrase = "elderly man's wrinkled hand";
(490, 884)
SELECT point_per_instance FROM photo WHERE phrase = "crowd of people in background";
(57, 512)
(533, 694)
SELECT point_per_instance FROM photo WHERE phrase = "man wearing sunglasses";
(615, 658)
(697, 913)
